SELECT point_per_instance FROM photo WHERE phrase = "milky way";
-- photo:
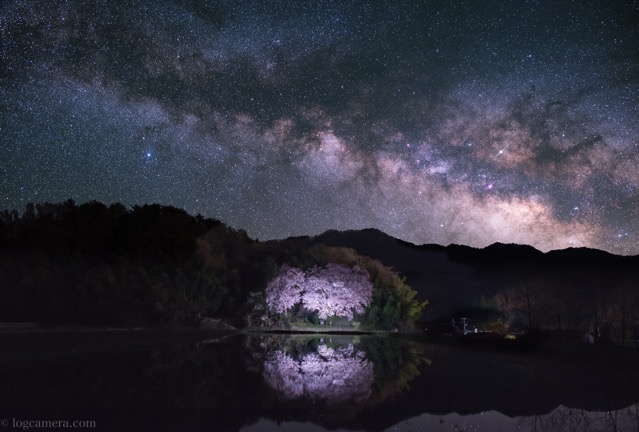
(464, 122)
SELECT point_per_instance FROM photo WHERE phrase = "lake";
(191, 380)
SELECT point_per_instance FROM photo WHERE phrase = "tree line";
(151, 264)
(600, 299)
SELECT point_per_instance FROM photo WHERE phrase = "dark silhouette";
(157, 265)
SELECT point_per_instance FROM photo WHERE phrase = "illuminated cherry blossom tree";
(285, 291)
(335, 290)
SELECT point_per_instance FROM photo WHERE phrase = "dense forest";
(157, 265)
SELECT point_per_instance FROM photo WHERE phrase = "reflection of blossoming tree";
(332, 291)
(331, 375)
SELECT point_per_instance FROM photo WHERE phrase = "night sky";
(466, 122)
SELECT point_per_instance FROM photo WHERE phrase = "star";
(286, 120)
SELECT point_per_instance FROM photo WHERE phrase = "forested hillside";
(567, 290)
(157, 265)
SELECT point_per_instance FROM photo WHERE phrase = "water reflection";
(253, 382)
(330, 374)
(336, 369)
(572, 419)
(561, 419)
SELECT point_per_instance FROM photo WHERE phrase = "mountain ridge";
(457, 277)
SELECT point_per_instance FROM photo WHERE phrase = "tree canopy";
(334, 290)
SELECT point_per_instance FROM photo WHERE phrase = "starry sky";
(465, 122)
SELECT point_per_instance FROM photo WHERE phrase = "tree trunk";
(596, 329)
(559, 325)
(530, 326)
(634, 327)
(623, 328)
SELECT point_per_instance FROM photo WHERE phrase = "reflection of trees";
(564, 419)
(396, 363)
(165, 378)
(332, 375)
(344, 369)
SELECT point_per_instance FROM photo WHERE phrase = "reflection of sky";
(559, 420)
(266, 425)
(331, 375)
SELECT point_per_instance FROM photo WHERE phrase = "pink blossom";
(284, 292)
(335, 290)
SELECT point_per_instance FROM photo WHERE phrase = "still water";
(267, 382)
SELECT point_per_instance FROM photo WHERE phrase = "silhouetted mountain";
(457, 278)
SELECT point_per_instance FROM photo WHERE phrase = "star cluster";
(436, 122)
